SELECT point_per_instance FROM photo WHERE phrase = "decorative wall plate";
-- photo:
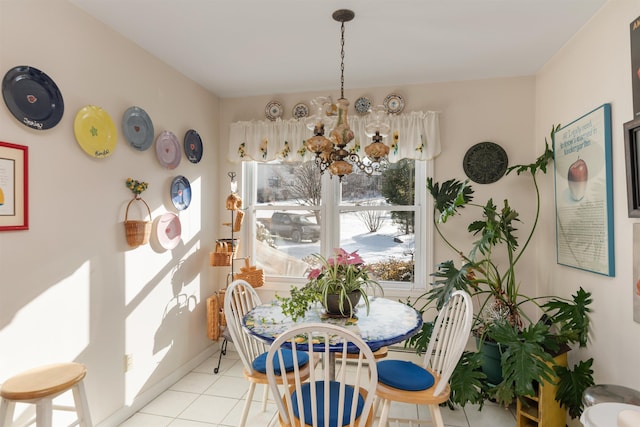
(362, 105)
(95, 131)
(168, 150)
(169, 230)
(273, 110)
(193, 146)
(32, 97)
(394, 103)
(300, 110)
(485, 162)
(137, 128)
(180, 192)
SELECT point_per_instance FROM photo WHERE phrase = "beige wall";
(591, 70)
(70, 287)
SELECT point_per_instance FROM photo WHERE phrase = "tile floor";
(204, 399)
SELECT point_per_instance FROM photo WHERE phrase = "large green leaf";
(541, 162)
(448, 279)
(495, 228)
(572, 385)
(468, 382)
(420, 341)
(524, 360)
(572, 317)
(449, 196)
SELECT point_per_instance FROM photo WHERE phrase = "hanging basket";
(234, 202)
(225, 250)
(137, 231)
(213, 317)
(237, 225)
(223, 319)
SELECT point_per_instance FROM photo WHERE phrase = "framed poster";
(14, 187)
(584, 195)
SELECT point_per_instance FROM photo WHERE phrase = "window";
(294, 212)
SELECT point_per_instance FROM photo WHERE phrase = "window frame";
(330, 209)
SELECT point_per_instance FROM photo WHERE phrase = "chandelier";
(332, 153)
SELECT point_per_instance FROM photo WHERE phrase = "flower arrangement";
(340, 275)
(137, 187)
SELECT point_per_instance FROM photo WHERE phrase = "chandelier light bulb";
(379, 122)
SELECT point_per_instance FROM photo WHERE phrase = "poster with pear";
(584, 196)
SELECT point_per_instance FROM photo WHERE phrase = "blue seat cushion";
(404, 375)
(260, 363)
(334, 395)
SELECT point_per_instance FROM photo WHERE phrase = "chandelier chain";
(342, 60)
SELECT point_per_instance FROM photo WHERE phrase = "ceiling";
(238, 48)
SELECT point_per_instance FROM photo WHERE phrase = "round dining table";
(386, 322)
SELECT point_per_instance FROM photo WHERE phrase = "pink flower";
(354, 258)
(342, 256)
(342, 265)
(313, 274)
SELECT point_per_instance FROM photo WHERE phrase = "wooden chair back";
(449, 337)
(239, 299)
(358, 374)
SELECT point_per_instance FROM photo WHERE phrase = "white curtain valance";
(414, 135)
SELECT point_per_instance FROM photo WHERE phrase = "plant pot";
(332, 305)
(491, 354)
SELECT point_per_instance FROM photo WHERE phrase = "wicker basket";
(220, 259)
(213, 318)
(223, 319)
(251, 274)
(234, 202)
(237, 225)
(225, 250)
(137, 231)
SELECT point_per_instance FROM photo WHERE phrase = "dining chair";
(239, 299)
(321, 401)
(407, 382)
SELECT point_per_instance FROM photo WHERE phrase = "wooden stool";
(40, 386)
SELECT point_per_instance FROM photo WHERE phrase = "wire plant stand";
(226, 338)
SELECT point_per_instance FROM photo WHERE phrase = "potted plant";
(526, 346)
(338, 283)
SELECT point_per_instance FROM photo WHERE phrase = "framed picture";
(632, 151)
(14, 187)
(584, 194)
